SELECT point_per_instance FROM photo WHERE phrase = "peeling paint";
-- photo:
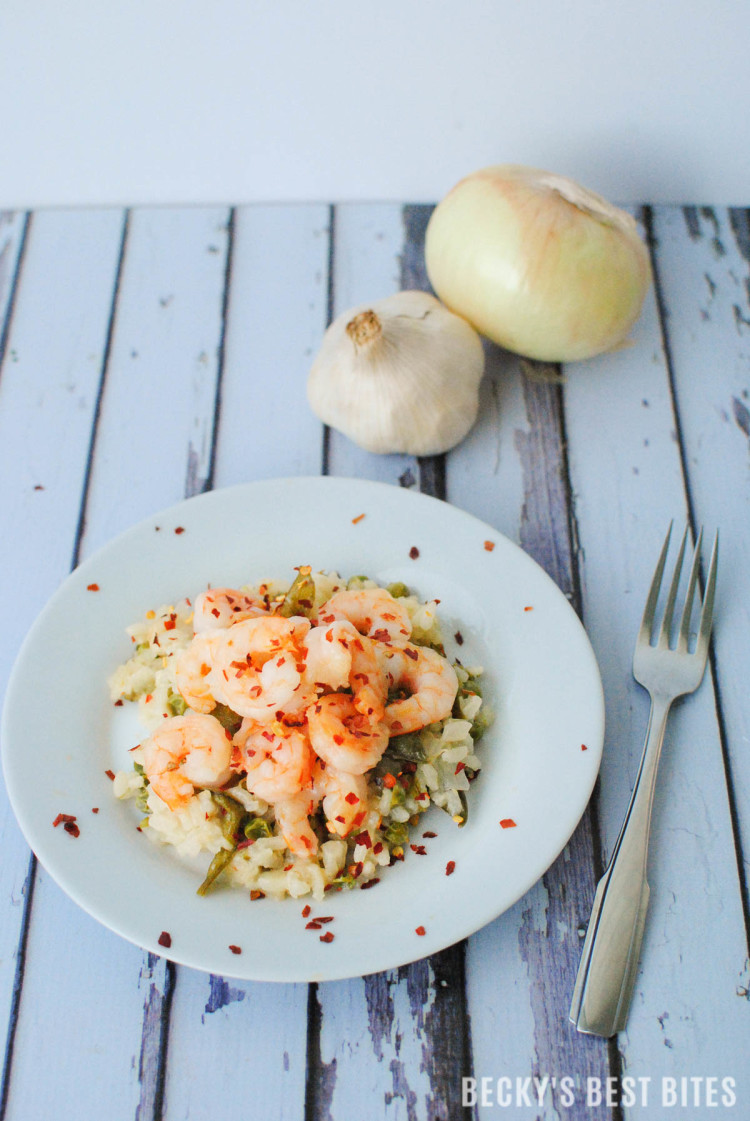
(220, 995)
(741, 415)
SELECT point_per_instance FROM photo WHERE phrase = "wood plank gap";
(28, 892)
(721, 723)
(100, 392)
(321, 1077)
(156, 1024)
(15, 284)
(330, 305)
(208, 482)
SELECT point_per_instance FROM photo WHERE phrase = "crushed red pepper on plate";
(450, 868)
(414, 552)
(420, 930)
(165, 939)
(358, 519)
(179, 529)
(508, 823)
(489, 546)
(236, 949)
(327, 937)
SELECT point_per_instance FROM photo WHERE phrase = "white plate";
(541, 677)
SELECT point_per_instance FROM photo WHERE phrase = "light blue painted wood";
(278, 300)
(704, 270)
(12, 230)
(48, 393)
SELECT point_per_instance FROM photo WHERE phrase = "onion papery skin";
(539, 274)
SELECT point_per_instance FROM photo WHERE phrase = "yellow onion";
(537, 263)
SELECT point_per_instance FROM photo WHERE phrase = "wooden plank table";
(153, 354)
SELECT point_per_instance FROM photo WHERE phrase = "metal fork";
(606, 975)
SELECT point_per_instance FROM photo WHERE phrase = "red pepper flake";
(459, 768)
(358, 819)
(363, 838)
(414, 552)
(95, 809)
(450, 868)
(389, 781)
(92, 587)
(118, 704)
(305, 911)
(325, 918)
(236, 949)
(508, 823)
(165, 939)
(358, 519)
(489, 546)
(411, 653)
(327, 937)
(429, 834)
(351, 798)
(179, 529)
(110, 775)
(528, 608)
(313, 924)
(370, 883)
(38, 486)
(583, 747)
(338, 739)
(255, 894)
(459, 638)
(420, 930)
(169, 624)
(420, 850)
(405, 781)
(377, 848)
(288, 867)
(62, 819)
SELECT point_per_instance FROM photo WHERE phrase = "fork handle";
(606, 975)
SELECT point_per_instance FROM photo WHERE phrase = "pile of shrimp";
(316, 696)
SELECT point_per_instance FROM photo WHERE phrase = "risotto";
(298, 732)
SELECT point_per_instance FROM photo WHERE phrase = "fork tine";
(707, 610)
(687, 612)
(666, 623)
(649, 611)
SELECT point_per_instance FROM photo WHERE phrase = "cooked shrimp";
(192, 669)
(185, 752)
(373, 611)
(279, 769)
(344, 797)
(278, 762)
(292, 815)
(339, 657)
(218, 608)
(431, 680)
(344, 737)
(258, 665)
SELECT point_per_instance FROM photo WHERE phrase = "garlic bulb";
(399, 375)
(537, 263)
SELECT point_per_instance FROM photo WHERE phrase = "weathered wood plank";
(49, 387)
(159, 392)
(278, 302)
(511, 471)
(704, 277)
(400, 1036)
(277, 309)
(627, 476)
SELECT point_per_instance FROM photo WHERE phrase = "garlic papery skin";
(399, 375)
(537, 263)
